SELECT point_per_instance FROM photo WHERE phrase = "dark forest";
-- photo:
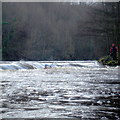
(59, 31)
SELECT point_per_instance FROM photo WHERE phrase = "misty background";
(59, 31)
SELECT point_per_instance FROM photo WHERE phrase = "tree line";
(59, 31)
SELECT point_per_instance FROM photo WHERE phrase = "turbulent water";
(68, 89)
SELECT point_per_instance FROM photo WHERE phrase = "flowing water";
(59, 89)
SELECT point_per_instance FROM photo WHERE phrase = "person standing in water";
(113, 51)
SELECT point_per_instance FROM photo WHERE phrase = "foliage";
(59, 31)
(107, 60)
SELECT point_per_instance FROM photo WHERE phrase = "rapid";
(59, 89)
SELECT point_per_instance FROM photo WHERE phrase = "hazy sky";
(60, 0)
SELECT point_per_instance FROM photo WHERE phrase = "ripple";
(61, 92)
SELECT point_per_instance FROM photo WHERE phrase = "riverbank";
(107, 60)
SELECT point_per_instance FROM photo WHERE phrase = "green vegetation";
(5, 22)
(107, 60)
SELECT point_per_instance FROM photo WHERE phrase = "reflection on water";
(65, 90)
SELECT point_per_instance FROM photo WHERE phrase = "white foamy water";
(41, 64)
(66, 89)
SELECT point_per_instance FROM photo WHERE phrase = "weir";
(16, 65)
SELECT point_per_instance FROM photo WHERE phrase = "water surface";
(74, 89)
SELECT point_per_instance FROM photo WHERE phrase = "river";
(59, 89)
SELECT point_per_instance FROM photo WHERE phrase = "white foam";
(50, 64)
